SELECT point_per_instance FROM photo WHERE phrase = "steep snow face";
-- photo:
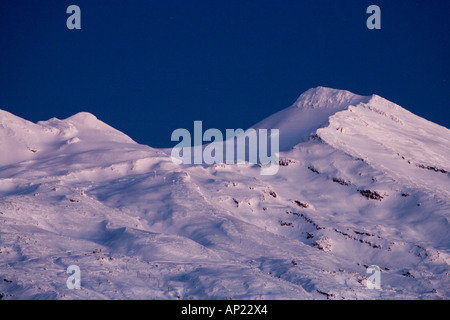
(310, 112)
(371, 128)
(395, 141)
(361, 182)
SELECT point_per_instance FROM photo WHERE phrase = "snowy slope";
(310, 112)
(364, 182)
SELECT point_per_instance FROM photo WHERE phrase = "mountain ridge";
(142, 227)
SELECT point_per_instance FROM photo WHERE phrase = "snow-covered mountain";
(361, 182)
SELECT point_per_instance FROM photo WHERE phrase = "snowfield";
(361, 182)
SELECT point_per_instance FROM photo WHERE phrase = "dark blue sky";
(149, 67)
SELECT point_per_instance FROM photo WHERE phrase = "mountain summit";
(361, 182)
(322, 97)
(23, 140)
(372, 128)
(310, 112)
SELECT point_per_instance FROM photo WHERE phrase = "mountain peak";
(85, 124)
(26, 140)
(87, 120)
(83, 117)
(323, 97)
(310, 112)
(374, 190)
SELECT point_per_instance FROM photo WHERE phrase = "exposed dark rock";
(435, 169)
(302, 204)
(369, 194)
(328, 295)
(407, 274)
(341, 181)
(364, 233)
(313, 169)
(285, 162)
(285, 223)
